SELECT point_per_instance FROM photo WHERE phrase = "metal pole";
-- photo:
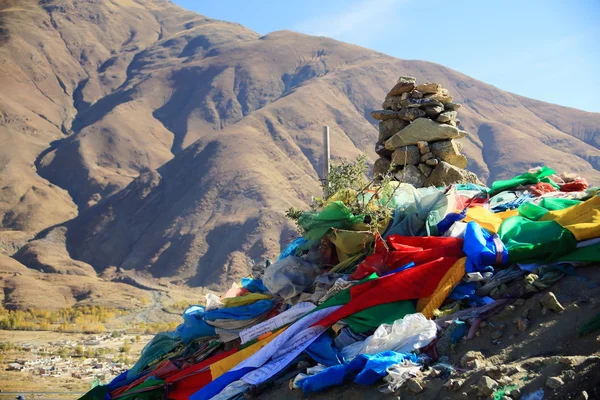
(326, 158)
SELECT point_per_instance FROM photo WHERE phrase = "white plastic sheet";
(405, 335)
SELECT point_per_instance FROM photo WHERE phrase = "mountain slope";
(170, 145)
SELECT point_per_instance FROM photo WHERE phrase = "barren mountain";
(141, 136)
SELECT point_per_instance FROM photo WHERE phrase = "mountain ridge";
(140, 135)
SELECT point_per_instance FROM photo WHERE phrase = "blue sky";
(543, 49)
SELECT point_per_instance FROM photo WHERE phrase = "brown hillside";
(171, 144)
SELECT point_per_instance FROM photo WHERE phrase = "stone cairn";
(417, 136)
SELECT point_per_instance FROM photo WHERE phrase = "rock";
(410, 114)
(519, 302)
(522, 324)
(447, 150)
(446, 174)
(462, 396)
(447, 116)
(415, 94)
(382, 115)
(554, 382)
(382, 151)
(497, 334)
(408, 155)
(391, 103)
(427, 156)
(433, 111)
(507, 311)
(502, 326)
(429, 87)
(568, 375)
(432, 162)
(583, 396)
(424, 150)
(550, 302)
(467, 361)
(405, 84)
(422, 129)
(452, 106)
(411, 174)
(451, 123)
(515, 394)
(414, 386)
(407, 114)
(421, 144)
(453, 384)
(406, 78)
(486, 386)
(390, 127)
(506, 380)
(425, 169)
(442, 96)
(494, 372)
(381, 166)
(510, 369)
(423, 102)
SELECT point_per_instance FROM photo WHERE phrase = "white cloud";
(358, 23)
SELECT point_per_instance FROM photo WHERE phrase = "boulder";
(410, 114)
(424, 150)
(447, 174)
(432, 162)
(382, 151)
(554, 382)
(433, 111)
(415, 94)
(468, 360)
(421, 144)
(447, 116)
(408, 155)
(486, 386)
(442, 96)
(452, 106)
(391, 103)
(407, 114)
(410, 174)
(423, 102)
(448, 150)
(390, 127)
(425, 169)
(429, 87)
(422, 129)
(381, 166)
(405, 84)
(382, 115)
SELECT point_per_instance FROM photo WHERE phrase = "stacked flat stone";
(418, 132)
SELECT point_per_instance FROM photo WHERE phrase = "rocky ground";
(522, 352)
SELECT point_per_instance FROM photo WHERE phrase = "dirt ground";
(549, 347)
